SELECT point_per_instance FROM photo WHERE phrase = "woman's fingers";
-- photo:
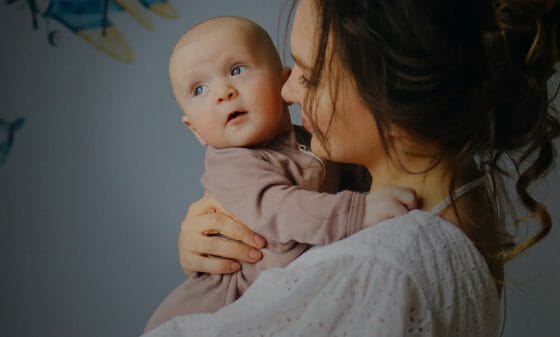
(205, 264)
(218, 223)
(211, 241)
(203, 205)
(225, 248)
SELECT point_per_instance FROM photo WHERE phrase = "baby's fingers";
(404, 195)
(393, 209)
(407, 196)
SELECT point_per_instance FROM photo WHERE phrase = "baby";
(226, 77)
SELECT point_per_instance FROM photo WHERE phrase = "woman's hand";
(201, 250)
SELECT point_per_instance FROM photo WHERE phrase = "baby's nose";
(228, 93)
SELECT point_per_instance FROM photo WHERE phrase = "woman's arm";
(202, 250)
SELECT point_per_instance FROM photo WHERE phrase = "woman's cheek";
(318, 148)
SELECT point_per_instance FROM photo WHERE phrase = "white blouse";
(415, 275)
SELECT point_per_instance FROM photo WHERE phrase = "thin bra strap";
(457, 194)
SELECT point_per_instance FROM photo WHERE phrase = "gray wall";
(100, 176)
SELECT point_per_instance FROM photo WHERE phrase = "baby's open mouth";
(235, 114)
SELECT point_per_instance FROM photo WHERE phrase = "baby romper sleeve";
(263, 197)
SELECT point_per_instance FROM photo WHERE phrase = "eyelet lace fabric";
(415, 275)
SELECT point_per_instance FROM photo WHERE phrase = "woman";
(439, 96)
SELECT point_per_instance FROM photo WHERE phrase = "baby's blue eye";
(197, 90)
(238, 69)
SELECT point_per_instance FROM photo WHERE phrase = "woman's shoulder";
(405, 241)
(428, 249)
(431, 249)
(425, 255)
(418, 239)
(368, 284)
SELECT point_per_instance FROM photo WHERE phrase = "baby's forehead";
(216, 38)
(238, 26)
(213, 43)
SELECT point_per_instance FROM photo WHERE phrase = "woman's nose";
(227, 93)
(287, 92)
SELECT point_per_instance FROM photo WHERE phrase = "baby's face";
(228, 90)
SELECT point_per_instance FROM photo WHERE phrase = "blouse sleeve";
(349, 296)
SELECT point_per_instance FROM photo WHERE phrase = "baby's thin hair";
(261, 35)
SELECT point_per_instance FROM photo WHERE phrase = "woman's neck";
(476, 217)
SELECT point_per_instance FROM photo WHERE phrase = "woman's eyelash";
(304, 81)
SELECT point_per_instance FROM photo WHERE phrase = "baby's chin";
(252, 140)
(238, 142)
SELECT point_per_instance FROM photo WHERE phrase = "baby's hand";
(388, 202)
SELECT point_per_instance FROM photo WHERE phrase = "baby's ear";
(186, 120)
(189, 125)
(284, 74)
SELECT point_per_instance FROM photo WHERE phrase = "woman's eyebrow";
(300, 63)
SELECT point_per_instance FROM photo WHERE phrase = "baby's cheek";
(270, 94)
(208, 129)
(271, 102)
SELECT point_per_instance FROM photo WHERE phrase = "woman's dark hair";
(469, 76)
